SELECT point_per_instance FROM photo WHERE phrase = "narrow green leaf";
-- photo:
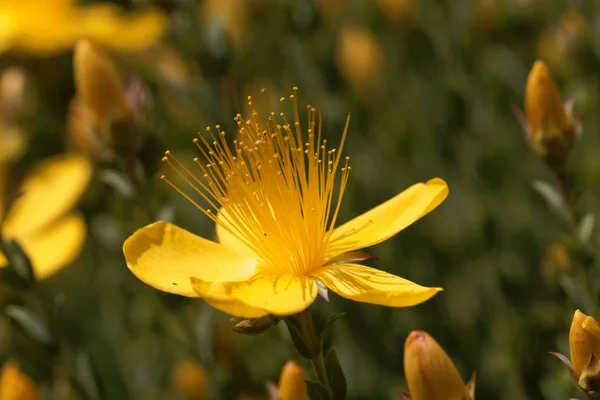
(30, 322)
(298, 338)
(327, 327)
(19, 262)
(337, 380)
(316, 391)
(551, 196)
(586, 228)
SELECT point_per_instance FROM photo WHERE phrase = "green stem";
(318, 364)
(314, 344)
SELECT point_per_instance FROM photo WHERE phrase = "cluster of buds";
(429, 372)
(548, 122)
(584, 348)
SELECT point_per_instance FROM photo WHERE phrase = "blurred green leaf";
(586, 228)
(337, 380)
(31, 323)
(551, 196)
(316, 391)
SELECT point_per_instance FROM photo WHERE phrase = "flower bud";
(429, 372)
(255, 326)
(550, 127)
(292, 385)
(191, 380)
(15, 385)
(99, 85)
(360, 59)
(580, 348)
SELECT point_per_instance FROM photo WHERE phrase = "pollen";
(277, 186)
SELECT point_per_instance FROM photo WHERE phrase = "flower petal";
(237, 308)
(276, 294)
(56, 246)
(48, 192)
(165, 256)
(389, 218)
(227, 239)
(370, 285)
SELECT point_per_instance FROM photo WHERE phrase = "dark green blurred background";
(430, 85)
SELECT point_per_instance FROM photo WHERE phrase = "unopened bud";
(580, 348)
(99, 84)
(550, 127)
(15, 385)
(256, 326)
(429, 372)
(191, 380)
(292, 385)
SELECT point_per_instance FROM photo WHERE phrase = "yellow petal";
(276, 294)
(369, 285)
(389, 218)
(592, 329)
(165, 256)
(56, 246)
(227, 239)
(48, 192)
(106, 24)
(237, 308)
(579, 344)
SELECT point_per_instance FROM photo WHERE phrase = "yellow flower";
(190, 378)
(275, 200)
(550, 127)
(41, 219)
(14, 385)
(429, 372)
(292, 385)
(46, 27)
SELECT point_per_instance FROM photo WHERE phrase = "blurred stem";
(563, 189)
(314, 343)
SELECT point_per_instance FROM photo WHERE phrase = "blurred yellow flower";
(50, 26)
(13, 88)
(292, 385)
(15, 385)
(272, 198)
(41, 219)
(190, 379)
(429, 372)
(549, 124)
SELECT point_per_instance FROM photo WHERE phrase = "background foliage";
(430, 85)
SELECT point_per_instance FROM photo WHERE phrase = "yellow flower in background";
(41, 219)
(15, 385)
(50, 26)
(429, 372)
(292, 385)
(549, 122)
(275, 200)
(191, 380)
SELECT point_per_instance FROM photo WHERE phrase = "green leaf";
(337, 381)
(20, 264)
(295, 329)
(586, 228)
(327, 327)
(30, 322)
(118, 182)
(316, 391)
(551, 196)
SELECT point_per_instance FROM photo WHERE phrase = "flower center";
(276, 186)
